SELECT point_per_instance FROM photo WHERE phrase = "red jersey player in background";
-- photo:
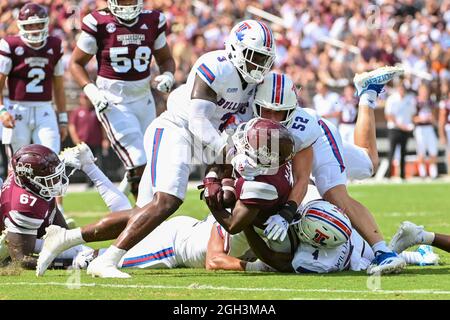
(124, 37)
(31, 64)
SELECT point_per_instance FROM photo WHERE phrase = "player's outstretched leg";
(368, 86)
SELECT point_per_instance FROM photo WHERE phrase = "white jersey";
(223, 78)
(304, 128)
(356, 254)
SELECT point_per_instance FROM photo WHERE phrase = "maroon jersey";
(124, 52)
(269, 193)
(32, 70)
(24, 212)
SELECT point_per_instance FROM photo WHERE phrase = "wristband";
(2, 109)
(289, 210)
(63, 118)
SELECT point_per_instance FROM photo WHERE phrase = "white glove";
(165, 81)
(97, 98)
(277, 228)
(83, 258)
(245, 166)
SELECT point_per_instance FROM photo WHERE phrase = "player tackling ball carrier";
(124, 37)
(219, 87)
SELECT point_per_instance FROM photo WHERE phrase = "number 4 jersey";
(30, 70)
(123, 52)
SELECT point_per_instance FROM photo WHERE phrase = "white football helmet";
(323, 225)
(125, 12)
(251, 48)
(277, 92)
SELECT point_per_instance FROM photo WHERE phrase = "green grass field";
(427, 204)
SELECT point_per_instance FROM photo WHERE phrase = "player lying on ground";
(328, 243)
(187, 242)
(409, 234)
(218, 87)
(333, 161)
(28, 197)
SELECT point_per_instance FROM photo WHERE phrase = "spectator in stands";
(444, 121)
(85, 127)
(326, 103)
(399, 112)
(426, 140)
(349, 113)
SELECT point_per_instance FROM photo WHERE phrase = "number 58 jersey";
(30, 70)
(123, 52)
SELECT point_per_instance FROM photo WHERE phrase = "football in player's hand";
(229, 193)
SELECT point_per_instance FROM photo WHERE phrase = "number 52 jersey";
(30, 70)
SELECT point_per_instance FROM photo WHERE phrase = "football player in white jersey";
(218, 87)
(124, 37)
(333, 161)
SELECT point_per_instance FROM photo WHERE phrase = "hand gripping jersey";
(30, 70)
(123, 52)
(223, 78)
(24, 212)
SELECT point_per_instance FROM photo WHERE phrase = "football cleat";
(429, 257)
(386, 262)
(103, 269)
(4, 252)
(376, 79)
(407, 235)
(77, 156)
(55, 242)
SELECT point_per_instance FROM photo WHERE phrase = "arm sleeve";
(87, 43)
(5, 59)
(200, 113)
(20, 222)
(160, 41)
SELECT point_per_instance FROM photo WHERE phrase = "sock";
(422, 170)
(368, 98)
(74, 237)
(427, 237)
(412, 257)
(113, 255)
(113, 198)
(380, 247)
(38, 245)
(433, 171)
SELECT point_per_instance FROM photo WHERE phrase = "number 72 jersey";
(30, 70)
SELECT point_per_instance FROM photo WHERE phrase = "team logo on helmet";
(23, 169)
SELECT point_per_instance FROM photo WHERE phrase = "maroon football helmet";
(32, 13)
(39, 170)
(267, 142)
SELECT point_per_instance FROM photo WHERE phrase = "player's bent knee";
(167, 203)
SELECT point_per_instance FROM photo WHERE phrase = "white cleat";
(103, 269)
(77, 156)
(385, 263)
(4, 252)
(407, 235)
(376, 79)
(55, 242)
(429, 257)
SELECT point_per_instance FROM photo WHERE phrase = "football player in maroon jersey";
(31, 64)
(124, 37)
(28, 199)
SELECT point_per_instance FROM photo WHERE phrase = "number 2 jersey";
(30, 70)
(123, 52)
(24, 212)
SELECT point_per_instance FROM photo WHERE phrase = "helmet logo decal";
(320, 237)
(278, 88)
(267, 35)
(24, 169)
(239, 31)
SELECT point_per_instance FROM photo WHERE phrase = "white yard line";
(195, 286)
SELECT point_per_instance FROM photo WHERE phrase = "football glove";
(212, 192)
(97, 98)
(277, 228)
(165, 82)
